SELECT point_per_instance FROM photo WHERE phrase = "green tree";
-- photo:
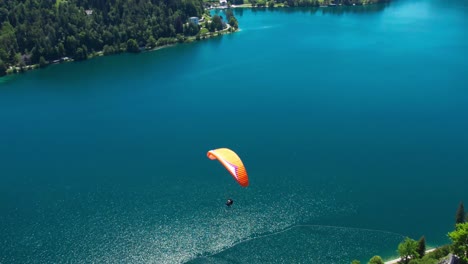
(42, 62)
(132, 46)
(3, 68)
(8, 42)
(3, 14)
(71, 45)
(55, 29)
(376, 260)
(3, 53)
(233, 22)
(151, 43)
(17, 59)
(192, 29)
(422, 246)
(460, 216)
(61, 50)
(459, 239)
(80, 54)
(108, 50)
(355, 262)
(216, 23)
(408, 249)
(261, 3)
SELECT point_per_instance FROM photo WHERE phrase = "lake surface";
(352, 124)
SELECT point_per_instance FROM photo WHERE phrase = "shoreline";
(281, 5)
(395, 261)
(13, 70)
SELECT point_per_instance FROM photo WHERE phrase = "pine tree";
(421, 246)
(132, 46)
(460, 216)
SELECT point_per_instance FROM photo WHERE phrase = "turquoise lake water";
(352, 124)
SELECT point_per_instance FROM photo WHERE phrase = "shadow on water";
(238, 12)
(7, 79)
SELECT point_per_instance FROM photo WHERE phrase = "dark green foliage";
(439, 252)
(376, 260)
(233, 22)
(132, 46)
(459, 239)
(238, 2)
(216, 23)
(151, 43)
(408, 250)
(421, 247)
(42, 62)
(3, 68)
(109, 50)
(81, 53)
(231, 19)
(261, 3)
(180, 38)
(460, 216)
(229, 14)
(8, 43)
(55, 29)
(191, 29)
(423, 261)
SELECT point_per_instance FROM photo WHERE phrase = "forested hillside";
(36, 31)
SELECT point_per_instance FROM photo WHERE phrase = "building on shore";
(194, 20)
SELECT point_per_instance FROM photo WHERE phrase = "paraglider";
(231, 161)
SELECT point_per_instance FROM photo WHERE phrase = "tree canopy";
(408, 249)
(76, 28)
(376, 260)
(459, 238)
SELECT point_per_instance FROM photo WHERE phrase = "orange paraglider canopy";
(232, 163)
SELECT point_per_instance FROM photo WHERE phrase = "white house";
(194, 20)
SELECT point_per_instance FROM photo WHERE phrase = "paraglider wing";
(232, 163)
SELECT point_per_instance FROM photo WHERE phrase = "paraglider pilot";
(229, 202)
